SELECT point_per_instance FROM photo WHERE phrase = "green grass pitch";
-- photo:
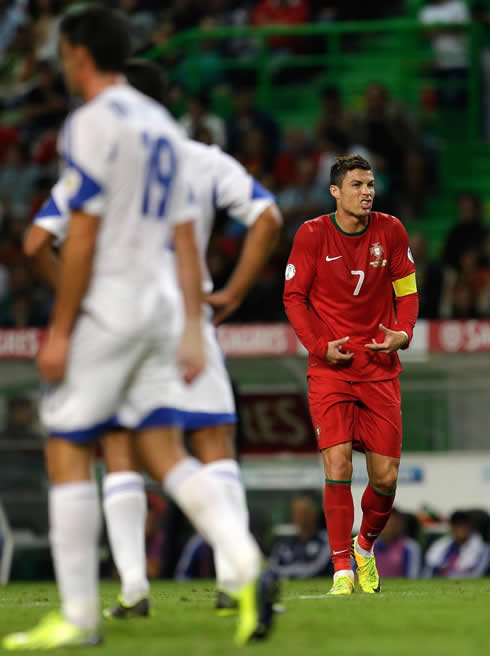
(416, 618)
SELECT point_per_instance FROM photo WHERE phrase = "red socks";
(338, 507)
(376, 508)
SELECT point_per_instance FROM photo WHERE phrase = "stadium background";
(284, 87)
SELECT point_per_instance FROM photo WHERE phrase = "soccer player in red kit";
(340, 278)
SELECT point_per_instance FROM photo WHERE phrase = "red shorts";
(366, 414)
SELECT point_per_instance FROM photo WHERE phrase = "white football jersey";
(123, 161)
(218, 182)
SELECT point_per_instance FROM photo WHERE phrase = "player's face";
(70, 58)
(356, 195)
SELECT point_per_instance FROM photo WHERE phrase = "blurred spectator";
(18, 178)
(17, 65)
(285, 168)
(481, 13)
(246, 117)
(306, 554)
(282, 12)
(429, 277)
(469, 233)
(12, 14)
(389, 131)
(202, 69)
(22, 420)
(154, 534)
(196, 560)
(450, 48)
(253, 154)
(199, 116)
(46, 104)
(397, 554)
(141, 22)
(306, 199)
(461, 554)
(335, 143)
(334, 115)
(46, 15)
(25, 305)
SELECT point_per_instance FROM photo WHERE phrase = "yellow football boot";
(367, 574)
(51, 633)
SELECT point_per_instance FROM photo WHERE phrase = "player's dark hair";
(105, 34)
(147, 77)
(345, 164)
(460, 517)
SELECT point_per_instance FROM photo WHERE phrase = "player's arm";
(38, 248)
(49, 226)
(74, 276)
(402, 268)
(300, 274)
(261, 240)
(86, 145)
(191, 355)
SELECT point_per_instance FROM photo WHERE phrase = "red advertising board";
(278, 421)
(459, 336)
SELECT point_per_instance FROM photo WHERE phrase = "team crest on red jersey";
(377, 251)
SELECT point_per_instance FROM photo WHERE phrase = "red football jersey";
(340, 284)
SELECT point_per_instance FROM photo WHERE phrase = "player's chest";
(362, 264)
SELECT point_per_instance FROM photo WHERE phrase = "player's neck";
(98, 82)
(350, 223)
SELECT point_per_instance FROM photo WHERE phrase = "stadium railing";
(348, 54)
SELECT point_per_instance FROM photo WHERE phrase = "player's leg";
(76, 413)
(339, 513)
(125, 515)
(201, 498)
(333, 413)
(214, 446)
(381, 434)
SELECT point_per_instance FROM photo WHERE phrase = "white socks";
(75, 523)
(125, 515)
(227, 474)
(342, 572)
(363, 552)
(205, 502)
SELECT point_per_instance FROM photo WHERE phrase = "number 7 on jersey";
(361, 275)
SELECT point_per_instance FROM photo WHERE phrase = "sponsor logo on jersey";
(331, 259)
(377, 251)
(290, 271)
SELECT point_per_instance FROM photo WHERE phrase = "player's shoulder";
(315, 226)
(387, 222)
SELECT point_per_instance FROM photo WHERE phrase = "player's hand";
(224, 303)
(53, 356)
(335, 352)
(191, 357)
(392, 342)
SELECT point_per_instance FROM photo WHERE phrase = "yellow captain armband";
(405, 286)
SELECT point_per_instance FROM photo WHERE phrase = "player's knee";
(339, 468)
(385, 481)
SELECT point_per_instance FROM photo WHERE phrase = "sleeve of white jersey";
(54, 216)
(236, 191)
(183, 204)
(87, 145)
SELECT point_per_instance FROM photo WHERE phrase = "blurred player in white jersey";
(128, 195)
(206, 407)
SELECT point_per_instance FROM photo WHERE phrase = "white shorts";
(206, 402)
(103, 374)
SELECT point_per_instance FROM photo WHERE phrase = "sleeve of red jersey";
(404, 283)
(300, 273)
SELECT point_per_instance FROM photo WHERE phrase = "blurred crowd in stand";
(292, 161)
